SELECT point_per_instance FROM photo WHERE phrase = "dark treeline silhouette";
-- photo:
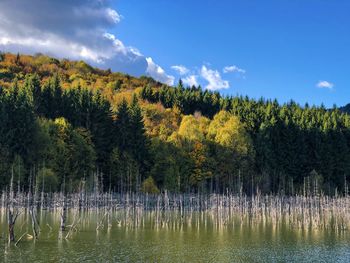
(59, 132)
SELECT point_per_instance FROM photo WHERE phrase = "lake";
(194, 238)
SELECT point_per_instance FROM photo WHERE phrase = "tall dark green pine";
(139, 148)
(51, 105)
(45, 108)
(32, 83)
(123, 127)
(18, 125)
(101, 126)
(56, 89)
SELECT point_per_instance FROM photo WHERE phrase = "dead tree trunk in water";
(63, 216)
(11, 223)
(64, 208)
(12, 216)
(35, 224)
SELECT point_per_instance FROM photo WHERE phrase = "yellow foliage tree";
(193, 129)
(227, 130)
(149, 186)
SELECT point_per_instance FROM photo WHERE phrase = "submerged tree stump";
(63, 218)
(11, 224)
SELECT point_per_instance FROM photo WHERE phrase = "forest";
(64, 123)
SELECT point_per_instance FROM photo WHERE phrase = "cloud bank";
(78, 29)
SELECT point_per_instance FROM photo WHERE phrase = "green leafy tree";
(149, 186)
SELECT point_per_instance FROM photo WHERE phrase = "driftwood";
(20, 238)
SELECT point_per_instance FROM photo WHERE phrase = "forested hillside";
(64, 123)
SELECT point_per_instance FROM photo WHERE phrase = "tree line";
(152, 138)
(292, 148)
(65, 136)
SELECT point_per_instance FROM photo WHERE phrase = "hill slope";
(64, 121)
(72, 74)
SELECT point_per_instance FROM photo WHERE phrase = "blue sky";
(284, 49)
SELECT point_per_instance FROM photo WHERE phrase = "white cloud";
(215, 82)
(190, 80)
(158, 73)
(182, 70)
(323, 84)
(76, 29)
(114, 15)
(233, 68)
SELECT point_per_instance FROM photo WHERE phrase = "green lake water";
(196, 240)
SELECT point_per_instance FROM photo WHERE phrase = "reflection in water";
(194, 237)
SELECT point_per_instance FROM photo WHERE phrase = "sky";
(286, 49)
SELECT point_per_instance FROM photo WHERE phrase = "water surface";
(199, 238)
